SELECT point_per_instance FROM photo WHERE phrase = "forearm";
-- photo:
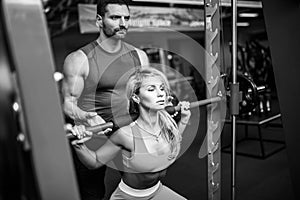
(73, 111)
(87, 157)
(182, 124)
(185, 115)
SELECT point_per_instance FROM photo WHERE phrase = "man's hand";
(92, 119)
(89, 119)
(81, 134)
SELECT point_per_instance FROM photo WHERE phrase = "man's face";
(115, 21)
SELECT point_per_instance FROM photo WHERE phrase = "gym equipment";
(125, 120)
(250, 94)
(214, 85)
(29, 49)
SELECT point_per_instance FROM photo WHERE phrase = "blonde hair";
(167, 123)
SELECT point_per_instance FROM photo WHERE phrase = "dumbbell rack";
(212, 63)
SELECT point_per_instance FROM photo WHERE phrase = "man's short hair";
(102, 4)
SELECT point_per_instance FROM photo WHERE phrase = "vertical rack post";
(234, 89)
(212, 67)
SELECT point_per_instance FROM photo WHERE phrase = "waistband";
(138, 192)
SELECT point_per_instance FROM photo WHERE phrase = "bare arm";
(73, 83)
(92, 159)
(185, 116)
(76, 70)
(95, 159)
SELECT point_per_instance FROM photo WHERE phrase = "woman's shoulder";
(125, 130)
(123, 135)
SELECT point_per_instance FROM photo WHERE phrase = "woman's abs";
(142, 180)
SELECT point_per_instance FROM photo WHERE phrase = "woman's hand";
(81, 134)
(185, 111)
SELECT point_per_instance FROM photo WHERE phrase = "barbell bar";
(125, 120)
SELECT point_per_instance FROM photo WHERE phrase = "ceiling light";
(248, 14)
(47, 9)
(58, 76)
(243, 24)
(226, 3)
(16, 107)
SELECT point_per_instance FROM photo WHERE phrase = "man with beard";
(91, 74)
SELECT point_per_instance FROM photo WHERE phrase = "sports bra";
(141, 160)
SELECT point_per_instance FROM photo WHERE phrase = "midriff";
(142, 180)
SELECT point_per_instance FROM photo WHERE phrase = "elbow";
(91, 167)
(98, 163)
(94, 165)
(91, 164)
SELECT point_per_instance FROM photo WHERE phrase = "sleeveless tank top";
(104, 88)
(141, 160)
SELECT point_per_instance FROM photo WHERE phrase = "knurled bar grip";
(234, 98)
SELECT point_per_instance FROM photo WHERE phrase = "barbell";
(248, 102)
(127, 119)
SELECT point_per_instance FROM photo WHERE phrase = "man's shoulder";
(131, 47)
(140, 53)
(76, 56)
(76, 63)
(88, 48)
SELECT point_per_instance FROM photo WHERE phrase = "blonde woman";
(149, 145)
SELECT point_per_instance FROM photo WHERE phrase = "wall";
(281, 19)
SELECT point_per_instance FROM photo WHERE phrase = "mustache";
(121, 28)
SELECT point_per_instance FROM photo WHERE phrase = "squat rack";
(214, 112)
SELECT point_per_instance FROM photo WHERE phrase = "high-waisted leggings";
(161, 192)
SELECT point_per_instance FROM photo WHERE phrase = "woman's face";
(152, 94)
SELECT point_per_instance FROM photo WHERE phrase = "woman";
(149, 145)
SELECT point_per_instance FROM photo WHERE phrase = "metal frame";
(30, 50)
(258, 122)
(212, 67)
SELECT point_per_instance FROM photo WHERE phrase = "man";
(91, 74)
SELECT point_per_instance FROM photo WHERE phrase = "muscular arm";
(75, 72)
